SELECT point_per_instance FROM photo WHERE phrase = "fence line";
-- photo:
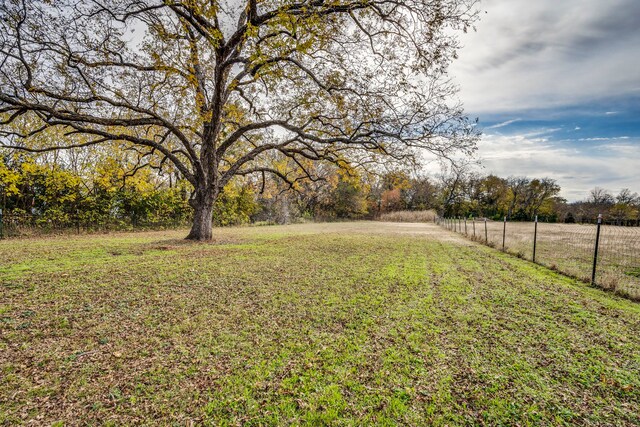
(602, 254)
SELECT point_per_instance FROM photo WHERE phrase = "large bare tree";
(216, 87)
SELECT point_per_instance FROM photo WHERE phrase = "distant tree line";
(468, 193)
(108, 186)
(620, 209)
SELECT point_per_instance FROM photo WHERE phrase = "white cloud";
(503, 124)
(577, 169)
(603, 139)
(545, 53)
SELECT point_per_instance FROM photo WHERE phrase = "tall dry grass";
(409, 216)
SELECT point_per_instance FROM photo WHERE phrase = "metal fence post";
(504, 233)
(535, 238)
(595, 252)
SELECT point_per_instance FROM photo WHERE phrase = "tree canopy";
(217, 89)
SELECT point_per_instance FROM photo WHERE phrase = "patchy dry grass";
(342, 324)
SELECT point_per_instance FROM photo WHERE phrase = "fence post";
(535, 238)
(77, 221)
(486, 235)
(465, 226)
(473, 221)
(595, 252)
(504, 233)
(1, 226)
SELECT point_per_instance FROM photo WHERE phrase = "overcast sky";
(556, 86)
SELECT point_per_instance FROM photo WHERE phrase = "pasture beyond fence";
(604, 255)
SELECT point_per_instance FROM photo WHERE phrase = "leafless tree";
(599, 197)
(626, 197)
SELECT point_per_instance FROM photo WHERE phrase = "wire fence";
(605, 255)
(21, 225)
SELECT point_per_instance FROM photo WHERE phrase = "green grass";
(340, 324)
(634, 272)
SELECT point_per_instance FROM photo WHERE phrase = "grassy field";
(569, 248)
(327, 324)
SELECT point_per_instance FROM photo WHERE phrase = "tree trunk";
(201, 229)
